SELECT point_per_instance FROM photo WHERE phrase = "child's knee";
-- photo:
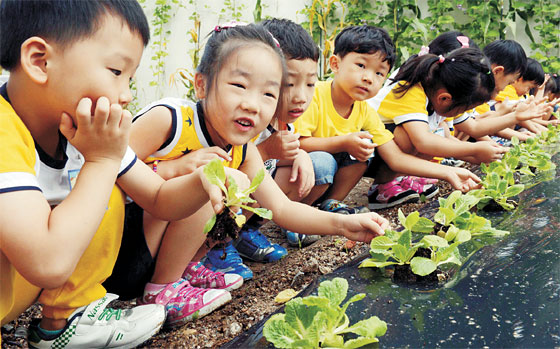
(325, 167)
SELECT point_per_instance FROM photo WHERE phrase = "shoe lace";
(204, 273)
(335, 204)
(191, 292)
(232, 254)
(109, 312)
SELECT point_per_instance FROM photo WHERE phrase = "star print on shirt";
(186, 151)
(189, 121)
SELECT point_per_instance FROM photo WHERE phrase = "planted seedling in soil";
(396, 248)
(227, 223)
(321, 322)
(455, 221)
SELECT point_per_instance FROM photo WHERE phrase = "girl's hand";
(101, 136)
(363, 226)
(281, 145)
(488, 151)
(359, 145)
(215, 193)
(302, 170)
(201, 157)
(463, 179)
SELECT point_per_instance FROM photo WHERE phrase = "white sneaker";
(96, 326)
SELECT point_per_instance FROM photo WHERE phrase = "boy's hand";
(103, 135)
(302, 171)
(281, 145)
(463, 179)
(359, 145)
(364, 226)
(488, 151)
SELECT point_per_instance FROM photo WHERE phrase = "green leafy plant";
(320, 321)
(234, 197)
(456, 221)
(397, 247)
(497, 189)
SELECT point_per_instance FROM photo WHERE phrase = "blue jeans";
(326, 165)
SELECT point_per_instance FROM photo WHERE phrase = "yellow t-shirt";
(322, 120)
(24, 167)
(509, 92)
(188, 132)
(17, 172)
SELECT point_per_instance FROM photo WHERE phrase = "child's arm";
(45, 245)
(306, 219)
(302, 170)
(400, 162)
(150, 132)
(428, 143)
(357, 144)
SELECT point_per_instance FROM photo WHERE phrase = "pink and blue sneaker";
(200, 276)
(423, 186)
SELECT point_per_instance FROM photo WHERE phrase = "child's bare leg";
(345, 179)
(180, 245)
(282, 178)
(315, 193)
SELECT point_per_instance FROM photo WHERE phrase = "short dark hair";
(534, 72)
(295, 42)
(465, 73)
(61, 21)
(365, 39)
(507, 53)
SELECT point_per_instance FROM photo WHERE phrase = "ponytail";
(465, 73)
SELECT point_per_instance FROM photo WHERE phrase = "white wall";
(178, 39)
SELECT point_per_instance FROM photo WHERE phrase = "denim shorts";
(326, 165)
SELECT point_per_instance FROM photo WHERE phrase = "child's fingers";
(101, 113)
(67, 127)
(294, 173)
(125, 121)
(220, 152)
(365, 134)
(83, 112)
(216, 198)
(115, 115)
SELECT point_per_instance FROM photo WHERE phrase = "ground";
(255, 299)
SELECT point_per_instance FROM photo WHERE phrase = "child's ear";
(333, 62)
(498, 69)
(443, 98)
(200, 86)
(33, 58)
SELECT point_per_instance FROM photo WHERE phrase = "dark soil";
(255, 299)
(224, 227)
(403, 273)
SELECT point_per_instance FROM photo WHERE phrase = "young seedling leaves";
(422, 266)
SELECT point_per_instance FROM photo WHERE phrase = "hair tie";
(230, 24)
(441, 59)
(489, 72)
(275, 41)
(464, 41)
(424, 51)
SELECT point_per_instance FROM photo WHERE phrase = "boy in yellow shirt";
(64, 145)
(340, 123)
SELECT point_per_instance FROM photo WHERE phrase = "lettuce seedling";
(497, 189)
(457, 222)
(396, 247)
(320, 322)
(233, 197)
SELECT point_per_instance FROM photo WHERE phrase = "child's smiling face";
(299, 88)
(244, 96)
(98, 65)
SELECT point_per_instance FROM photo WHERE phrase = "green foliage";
(397, 247)
(232, 10)
(321, 321)
(234, 197)
(163, 12)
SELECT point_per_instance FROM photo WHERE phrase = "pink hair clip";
(227, 25)
(424, 51)
(464, 41)
(441, 59)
